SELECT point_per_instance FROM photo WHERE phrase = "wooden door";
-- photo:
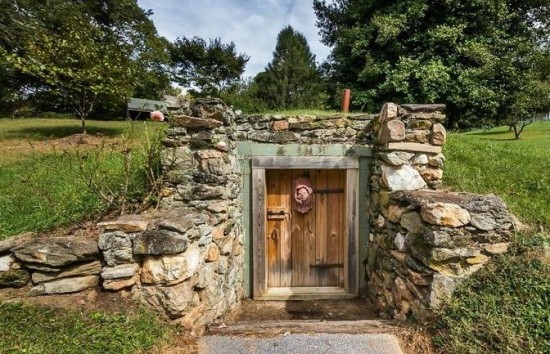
(306, 250)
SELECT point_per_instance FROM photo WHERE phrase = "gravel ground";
(302, 344)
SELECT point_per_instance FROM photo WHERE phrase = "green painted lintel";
(259, 149)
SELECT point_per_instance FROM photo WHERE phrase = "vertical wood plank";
(334, 232)
(352, 208)
(321, 220)
(342, 227)
(310, 233)
(258, 232)
(273, 235)
(297, 235)
(285, 177)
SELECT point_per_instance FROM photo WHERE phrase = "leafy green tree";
(291, 79)
(211, 67)
(470, 55)
(86, 53)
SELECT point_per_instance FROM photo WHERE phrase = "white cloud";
(252, 25)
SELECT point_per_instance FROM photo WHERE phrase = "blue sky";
(252, 25)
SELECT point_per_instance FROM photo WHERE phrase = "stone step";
(254, 328)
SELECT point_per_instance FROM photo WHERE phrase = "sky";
(252, 25)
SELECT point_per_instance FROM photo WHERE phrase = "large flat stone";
(402, 178)
(126, 223)
(169, 270)
(194, 123)
(159, 242)
(57, 251)
(119, 271)
(444, 214)
(64, 286)
(91, 268)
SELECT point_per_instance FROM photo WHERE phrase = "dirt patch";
(323, 310)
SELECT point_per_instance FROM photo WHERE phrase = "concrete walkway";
(319, 343)
(307, 337)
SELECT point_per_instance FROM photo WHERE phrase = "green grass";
(47, 187)
(516, 170)
(504, 307)
(36, 329)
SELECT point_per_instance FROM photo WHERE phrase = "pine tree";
(291, 79)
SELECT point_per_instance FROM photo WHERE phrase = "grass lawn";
(39, 329)
(47, 179)
(503, 308)
(516, 170)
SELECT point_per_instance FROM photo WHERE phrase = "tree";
(470, 55)
(212, 67)
(291, 79)
(83, 52)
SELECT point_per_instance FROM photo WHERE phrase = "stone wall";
(304, 129)
(187, 258)
(423, 241)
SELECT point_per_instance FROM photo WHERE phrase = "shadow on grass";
(481, 133)
(56, 132)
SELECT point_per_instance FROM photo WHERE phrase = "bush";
(503, 308)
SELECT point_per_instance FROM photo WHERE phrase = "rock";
(420, 159)
(119, 271)
(420, 124)
(177, 158)
(119, 284)
(159, 242)
(437, 160)
(412, 222)
(17, 240)
(389, 112)
(484, 221)
(444, 214)
(217, 207)
(173, 300)
(201, 192)
(399, 242)
(397, 158)
(394, 213)
(497, 248)
(56, 251)
(216, 166)
(402, 178)
(180, 224)
(205, 275)
(431, 174)
(417, 136)
(222, 146)
(393, 130)
(91, 268)
(67, 285)
(419, 279)
(14, 278)
(212, 253)
(279, 125)
(117, 248)
(442, 288)
(6, 262)
(428, 109)
(194, 123)
(169, 270)
(126, 223)
(438, 135)
(479, 259)
(400, 256)
(445, 254)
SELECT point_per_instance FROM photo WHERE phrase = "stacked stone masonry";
(186, 260)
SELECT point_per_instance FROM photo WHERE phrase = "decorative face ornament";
(303, 195)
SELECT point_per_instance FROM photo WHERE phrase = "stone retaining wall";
(423, 241)
(187, 259)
